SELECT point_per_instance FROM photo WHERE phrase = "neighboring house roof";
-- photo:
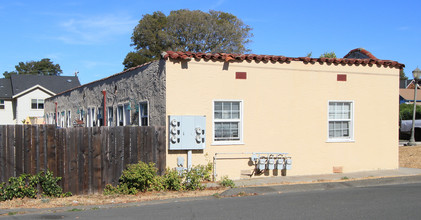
(365, 57)
(55, 84)
(408, 94)
(19, 84)
(360, 53)
(411, 84)
(5, 88)
(404, 83)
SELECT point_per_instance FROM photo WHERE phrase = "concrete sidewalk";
(327, 177)
(283, 184)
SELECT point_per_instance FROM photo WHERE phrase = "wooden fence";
(86, 158)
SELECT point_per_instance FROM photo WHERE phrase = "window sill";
(220, 143)
(340, 141)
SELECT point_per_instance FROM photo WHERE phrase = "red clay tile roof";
(240, 57)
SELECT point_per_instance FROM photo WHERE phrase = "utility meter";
(187, 132)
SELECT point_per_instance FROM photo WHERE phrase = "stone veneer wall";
(146, 83)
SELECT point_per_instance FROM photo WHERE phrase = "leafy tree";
(402, 75)
(42, 67)
(185, 30)
(406, 110)
(328, 55)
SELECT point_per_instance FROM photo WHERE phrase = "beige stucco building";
(325, 114)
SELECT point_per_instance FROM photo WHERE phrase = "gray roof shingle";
(5, 88)
(55, 84)
(19, 83)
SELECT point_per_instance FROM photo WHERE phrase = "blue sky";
(93, 37)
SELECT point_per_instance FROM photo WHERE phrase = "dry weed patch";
(410, 156)
(99, 199)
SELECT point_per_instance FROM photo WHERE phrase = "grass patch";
(75, 210)
(12, 213)
(217, 195)
(225, 182)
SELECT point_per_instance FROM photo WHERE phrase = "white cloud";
(54, 56)
(95, 29)
(217, 4)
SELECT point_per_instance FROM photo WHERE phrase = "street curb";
(317, 186)
(233, 192)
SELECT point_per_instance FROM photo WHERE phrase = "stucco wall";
(6, 114)
(145, 83)
(285, 109)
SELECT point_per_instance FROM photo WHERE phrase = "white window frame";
(240, 126)
(118, 119)
(127, 114)
(350, 138)
(144, 116)
(110, 115)
(99, 111)
(62, 118)
(93, 114)
(38, 101)
(69, 118)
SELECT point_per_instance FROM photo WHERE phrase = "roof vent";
(69, 80)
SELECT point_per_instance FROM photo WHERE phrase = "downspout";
(56, 113)
(104, 118)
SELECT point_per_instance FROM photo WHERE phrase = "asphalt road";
(376, 202)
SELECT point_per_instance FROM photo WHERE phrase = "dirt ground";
(410, 156)
(89, 200)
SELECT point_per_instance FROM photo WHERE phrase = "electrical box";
(254, 158)
(180, 161)
(186, 132)
(288, 163)
(262, 164)
(280, 165)
(271, 164)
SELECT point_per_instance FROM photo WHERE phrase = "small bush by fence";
(87, 159)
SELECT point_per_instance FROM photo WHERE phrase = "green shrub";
(26, 185)
(173, 181)
(143, 177)
(406, 110)
(158, 183)
(193, 179)
(110, 190)
(205, 171)
(139, 176)
(122, 189)
(49, 184)
(22, 186)
(225, 182)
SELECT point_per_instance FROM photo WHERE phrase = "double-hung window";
(37, 103)
(1, 103)
(340, 121)
(227, 119)
(143, 116)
